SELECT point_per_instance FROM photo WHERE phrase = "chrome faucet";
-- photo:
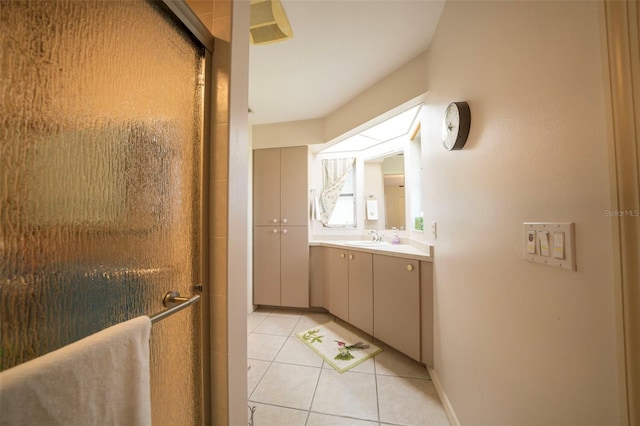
(375, 235)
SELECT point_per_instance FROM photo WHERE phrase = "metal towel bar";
(175, 303)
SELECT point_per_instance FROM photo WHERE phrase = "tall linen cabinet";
(280, 227)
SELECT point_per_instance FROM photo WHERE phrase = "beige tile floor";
(290, 385)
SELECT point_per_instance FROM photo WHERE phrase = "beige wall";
(238, 213)
(218, 238)
(288, 134)
(228, 21)
(516, 342)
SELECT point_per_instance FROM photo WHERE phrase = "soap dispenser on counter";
(395, 238)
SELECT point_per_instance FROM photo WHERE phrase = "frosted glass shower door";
(101, 153)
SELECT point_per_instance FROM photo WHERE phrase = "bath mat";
(341, 348)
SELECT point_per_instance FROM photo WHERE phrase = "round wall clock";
(456, 125)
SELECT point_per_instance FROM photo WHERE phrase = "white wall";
(516, 342)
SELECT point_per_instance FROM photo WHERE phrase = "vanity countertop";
(406, 251)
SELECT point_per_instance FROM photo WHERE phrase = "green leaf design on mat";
(344, 350)
(311, 336)
(344, 356)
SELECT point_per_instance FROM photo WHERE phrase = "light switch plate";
(552, 229)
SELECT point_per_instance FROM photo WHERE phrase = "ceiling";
(339, 48)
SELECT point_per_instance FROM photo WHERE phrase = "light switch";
(558, 245)
(531, 242)
(550, 243)
(543, 236)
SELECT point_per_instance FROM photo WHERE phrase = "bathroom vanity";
(385, 290)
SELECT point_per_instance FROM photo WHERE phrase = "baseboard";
(443, 398)
(310, 309)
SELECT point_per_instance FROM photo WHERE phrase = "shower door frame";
(185, 15)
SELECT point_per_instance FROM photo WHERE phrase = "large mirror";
(387, 169)
(384, 186)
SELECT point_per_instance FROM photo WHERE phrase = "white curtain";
(334, 172)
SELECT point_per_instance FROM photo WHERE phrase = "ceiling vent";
(269, 23)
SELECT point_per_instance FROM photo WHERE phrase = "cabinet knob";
(284, 220)
(275, 231)
(409, 268)
(350, 257)
(342, 255)
(284, 231)
(275, 221)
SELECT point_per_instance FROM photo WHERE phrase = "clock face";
(455, 126)
(450, 126)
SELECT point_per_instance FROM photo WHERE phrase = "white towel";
(102, 379)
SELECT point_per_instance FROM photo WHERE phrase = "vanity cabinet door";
(294, 267)
(426, 312)
(266, 187)
(266, 265)
(281, 246)
(336, 276)
(396, 303)
(318, 295)
(361, 290)
(294, 193)
(281, 266)
(280, 192)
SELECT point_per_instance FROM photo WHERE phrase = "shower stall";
(103, 132)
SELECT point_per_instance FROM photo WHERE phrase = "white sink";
(366, 243)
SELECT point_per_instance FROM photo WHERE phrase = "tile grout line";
(262, 377)
(271, 362)
(249, 333)
(314, 393)
(375, 375)
(270, 404)
(281, 363)
(319, 374)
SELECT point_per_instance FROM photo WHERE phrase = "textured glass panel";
(100, 153)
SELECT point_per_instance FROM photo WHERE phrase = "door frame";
(189, 19)
(620, 30)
